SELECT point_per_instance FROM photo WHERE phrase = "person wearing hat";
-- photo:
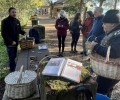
(87, 25)
(62, 24)
(111, 25)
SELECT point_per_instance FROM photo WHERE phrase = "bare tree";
(51, 4)
(115, 4)
(101, 2)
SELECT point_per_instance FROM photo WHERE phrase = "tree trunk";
(101, 3)
(51, 10)
(80, 5)
(115, 4)
(84, 15)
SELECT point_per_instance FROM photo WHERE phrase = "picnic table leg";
(42, 88)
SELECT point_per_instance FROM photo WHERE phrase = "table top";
(24, 59)
(25, 55)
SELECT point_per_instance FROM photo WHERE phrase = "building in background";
(59, 4)
(45, 10)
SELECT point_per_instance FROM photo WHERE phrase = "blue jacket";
(97, 30)
(113, 41)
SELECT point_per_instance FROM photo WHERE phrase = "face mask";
(61, 16)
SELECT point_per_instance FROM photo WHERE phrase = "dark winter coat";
(10, 30)
(62, 30)
(75, 27)
(97, 29)
(111, 39)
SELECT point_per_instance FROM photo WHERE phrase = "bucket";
(101, 97)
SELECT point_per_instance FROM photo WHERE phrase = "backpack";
(70, 26)
(34, 33)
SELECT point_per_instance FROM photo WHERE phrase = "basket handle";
(20, 75)
(108, 54)
(88, 39)
(25, 36)
(49, 56)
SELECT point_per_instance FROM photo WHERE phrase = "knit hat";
(112, 16)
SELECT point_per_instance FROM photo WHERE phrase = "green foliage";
(3, 59)
(70, 9)
(25, 8)
(38, 3)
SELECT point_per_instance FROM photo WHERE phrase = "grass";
(3, 59)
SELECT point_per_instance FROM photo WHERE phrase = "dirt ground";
(51, 41)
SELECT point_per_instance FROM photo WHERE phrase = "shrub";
(3, 59)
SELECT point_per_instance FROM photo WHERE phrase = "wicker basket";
(105, 67)
(27, 43)
(20, 84)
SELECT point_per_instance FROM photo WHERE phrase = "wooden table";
(90, 84)
(24, 59)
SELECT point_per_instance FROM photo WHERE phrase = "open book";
(66, 68)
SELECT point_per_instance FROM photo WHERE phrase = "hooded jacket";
(62, 30)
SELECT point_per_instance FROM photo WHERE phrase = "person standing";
(62, 24)
(97, 32)
(10, 30)
(87, 25)
(75, 31)
(111, 25)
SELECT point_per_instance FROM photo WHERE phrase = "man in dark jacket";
(10, 30)
(97, 32)
(111, 25)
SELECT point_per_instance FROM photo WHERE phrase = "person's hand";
(13, 43)
(80, 26)
(93, 43)
(95, 39)
(59, 25)
(25, 36)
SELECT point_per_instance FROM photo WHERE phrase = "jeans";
(75, 37)
(61, 40)
(12, 53)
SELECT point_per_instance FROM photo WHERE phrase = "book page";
(42, 47)
(54, 67)
(72, 70)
